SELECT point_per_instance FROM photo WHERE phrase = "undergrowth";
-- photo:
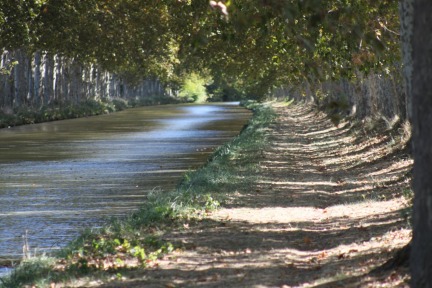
(69, 110)
(137, 241)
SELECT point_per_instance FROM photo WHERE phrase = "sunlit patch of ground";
(330, 204)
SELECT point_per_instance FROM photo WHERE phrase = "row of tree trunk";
(42, 78)
(373, 95)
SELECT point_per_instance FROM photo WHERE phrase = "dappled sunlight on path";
(329, 205)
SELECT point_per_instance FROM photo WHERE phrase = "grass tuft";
(32, 271)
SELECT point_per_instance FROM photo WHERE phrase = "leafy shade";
(260, 44)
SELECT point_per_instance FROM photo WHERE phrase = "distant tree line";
(40, 79)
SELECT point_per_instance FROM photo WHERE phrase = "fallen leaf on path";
(307, 240)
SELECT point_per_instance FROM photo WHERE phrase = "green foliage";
(27, 115)
(112, 249)
(194, 88)
(120, 104)
(219, 90)
(59, 111)
(260, 45)
(7, 69)
(18, 21)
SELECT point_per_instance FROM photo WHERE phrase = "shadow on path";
(328, 207)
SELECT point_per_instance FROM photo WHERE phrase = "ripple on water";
(57, 178)
(5, 271)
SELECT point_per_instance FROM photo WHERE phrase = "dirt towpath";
(330, 203)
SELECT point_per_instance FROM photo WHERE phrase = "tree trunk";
(37, 79)
(406, 20)
(421, 89)
(48, 79)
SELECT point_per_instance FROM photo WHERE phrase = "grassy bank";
(137, 241)
(60, 111)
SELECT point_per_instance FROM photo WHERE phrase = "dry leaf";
(341, 256)
(307, 240)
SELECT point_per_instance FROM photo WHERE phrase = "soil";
(330, 204)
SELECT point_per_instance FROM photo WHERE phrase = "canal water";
(60, 177)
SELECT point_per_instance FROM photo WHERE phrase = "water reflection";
(58, 177)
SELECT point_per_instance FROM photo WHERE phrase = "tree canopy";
(253, 45)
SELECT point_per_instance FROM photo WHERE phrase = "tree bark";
(406, 20)
(37, 78)
(421, 89)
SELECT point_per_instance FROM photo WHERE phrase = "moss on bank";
(137, 241)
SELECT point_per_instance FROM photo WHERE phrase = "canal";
(60, 177)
